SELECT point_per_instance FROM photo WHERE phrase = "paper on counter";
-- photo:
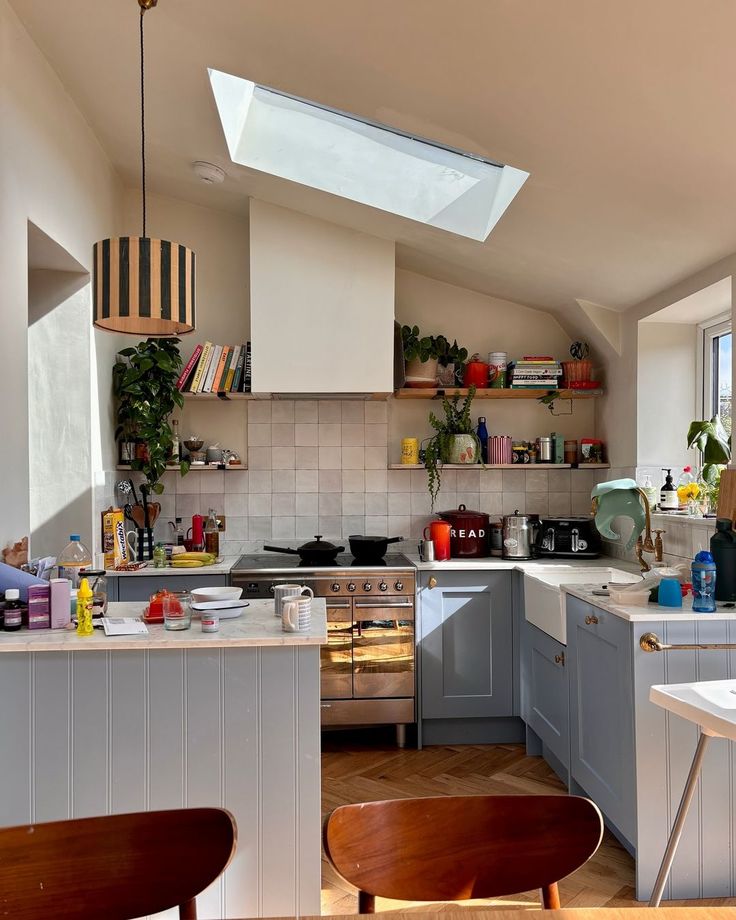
(123, 626)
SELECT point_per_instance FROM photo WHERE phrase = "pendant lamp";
(143, 286)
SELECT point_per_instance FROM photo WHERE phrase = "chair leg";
(366, 903)
(188, 910)
(551, 897)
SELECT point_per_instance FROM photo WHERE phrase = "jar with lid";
(13, 610)
(97, 581)
(159, 556)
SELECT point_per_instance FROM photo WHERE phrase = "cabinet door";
(544, 693)
(466, 645)
(601, 711)
(141, 587)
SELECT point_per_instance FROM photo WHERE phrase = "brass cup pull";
(432, 583)
(560, 659)
(591, 620)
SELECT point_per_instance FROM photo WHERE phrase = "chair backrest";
(116, 866)
(457, 847)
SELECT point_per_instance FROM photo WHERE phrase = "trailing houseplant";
(454, 440)
(144, 384)
(420, 354)
(714, 443)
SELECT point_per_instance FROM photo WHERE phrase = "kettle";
(519, 535)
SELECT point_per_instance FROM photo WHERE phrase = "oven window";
(383, 658)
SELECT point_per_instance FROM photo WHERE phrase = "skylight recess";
(369, 163)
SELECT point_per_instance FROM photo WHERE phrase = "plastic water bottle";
(704, 583)
(74, 557)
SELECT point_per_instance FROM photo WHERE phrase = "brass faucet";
(647, 545)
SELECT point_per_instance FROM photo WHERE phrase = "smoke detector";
(208, 172)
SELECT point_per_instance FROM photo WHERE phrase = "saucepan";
(370, 548)
(312, 553)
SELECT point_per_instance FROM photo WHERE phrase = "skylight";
(369, 163)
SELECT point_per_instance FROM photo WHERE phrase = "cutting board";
(727, 495)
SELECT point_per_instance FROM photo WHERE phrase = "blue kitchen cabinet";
(544, 694)
(141, 587)
(601, 686)
(466, 655)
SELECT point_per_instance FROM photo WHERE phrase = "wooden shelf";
(224, 397)
(504, 466)
(206, 468)
(431, 393)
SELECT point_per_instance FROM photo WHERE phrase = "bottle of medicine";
(13, 616)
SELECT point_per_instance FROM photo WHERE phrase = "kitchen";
(315, 283)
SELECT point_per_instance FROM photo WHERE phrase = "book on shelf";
(187, 375)
(247, 369)
(201, 367)
(218, 379)
(212, 369)
(238, 370)
(230, 369)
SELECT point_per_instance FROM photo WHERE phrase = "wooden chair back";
(116, 866)
(457, 847)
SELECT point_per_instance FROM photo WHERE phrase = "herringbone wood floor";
(363, 767)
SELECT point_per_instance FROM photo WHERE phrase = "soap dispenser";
(668, 500)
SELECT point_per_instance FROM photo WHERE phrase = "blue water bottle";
(482, 433)
(704, 583)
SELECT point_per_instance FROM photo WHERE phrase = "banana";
(207, 558)
(178, 563)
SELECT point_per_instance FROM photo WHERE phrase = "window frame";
(707, 333)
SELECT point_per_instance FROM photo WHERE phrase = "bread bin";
(469, 534)
(519, 534)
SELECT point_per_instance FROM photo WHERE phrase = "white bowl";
(222, 593)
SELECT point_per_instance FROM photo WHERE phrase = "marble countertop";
(219, 568)
(497, 564)
(640, 614)
(256, 627)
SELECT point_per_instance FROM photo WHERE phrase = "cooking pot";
(519, 534)
(370, 549)
(312, 553)
(469, 534)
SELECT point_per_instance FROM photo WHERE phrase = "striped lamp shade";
(143, 286)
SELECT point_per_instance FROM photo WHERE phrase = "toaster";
(568, 537)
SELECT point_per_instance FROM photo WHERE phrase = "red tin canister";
(469, 533)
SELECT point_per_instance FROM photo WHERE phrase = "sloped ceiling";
(622, 113)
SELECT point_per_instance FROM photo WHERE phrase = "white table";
(711, 704)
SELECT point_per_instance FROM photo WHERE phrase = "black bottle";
(723, 550)
(13, 614)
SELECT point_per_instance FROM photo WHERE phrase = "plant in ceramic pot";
(144, 385)
(454, 440)
(420, 354)
(450, 359)
(714, 443)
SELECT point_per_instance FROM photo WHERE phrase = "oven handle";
(383, 604)
(345, 606)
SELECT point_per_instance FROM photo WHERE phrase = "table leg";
(676, 832)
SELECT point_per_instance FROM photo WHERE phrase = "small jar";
(159, 556)
(13, 612)
(210, 621)
(98, 583)
(571, 451)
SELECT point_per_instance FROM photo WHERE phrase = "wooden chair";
(116, 866)
(453, 848)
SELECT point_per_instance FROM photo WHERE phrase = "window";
(365, 162)
(717, 341)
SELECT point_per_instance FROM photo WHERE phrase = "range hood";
(322, 307)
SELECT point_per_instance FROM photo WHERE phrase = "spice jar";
(571, 451)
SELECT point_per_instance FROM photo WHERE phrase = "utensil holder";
(144, 543)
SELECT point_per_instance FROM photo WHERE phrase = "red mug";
(439, 534)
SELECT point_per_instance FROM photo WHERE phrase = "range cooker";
(367, 673)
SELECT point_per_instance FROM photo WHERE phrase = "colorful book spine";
(204, 358)
(230, 373)
(189, 369)
(220, 370)
(222, 385)
(247, 370)
(235, 388)
(214, 362)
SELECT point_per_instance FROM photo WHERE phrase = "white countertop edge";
(218, 568)
(497, 563)
(636, 614)
(257, 627)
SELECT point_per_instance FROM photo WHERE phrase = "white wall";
(666, 396)
(54, 173)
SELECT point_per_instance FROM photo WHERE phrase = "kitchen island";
(105, 725)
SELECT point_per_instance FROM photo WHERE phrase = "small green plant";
(450, 354)
(714, 443)
(144, 384)
(456, 421)
(417, 346)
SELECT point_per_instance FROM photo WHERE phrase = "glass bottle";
(175, 443)
(13, 615)
(159, 556)
(212, 534)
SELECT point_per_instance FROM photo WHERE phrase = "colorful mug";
(410, 451)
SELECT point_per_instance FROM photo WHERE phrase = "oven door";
(383, 648)
(336, 658)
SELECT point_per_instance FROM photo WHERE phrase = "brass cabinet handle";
(432, 583)
(560, 659)
(591, 620)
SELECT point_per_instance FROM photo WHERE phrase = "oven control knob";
(351, 586)
(335, 587)
(270, 588)
(367, 586)
(383, 586)
(399, 586)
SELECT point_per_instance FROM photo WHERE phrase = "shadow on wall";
(59, 379)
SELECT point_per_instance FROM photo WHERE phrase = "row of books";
(217, 369)
(535, 372)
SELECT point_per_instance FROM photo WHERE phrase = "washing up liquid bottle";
(668, 500)
(704, 583)
(84, 609)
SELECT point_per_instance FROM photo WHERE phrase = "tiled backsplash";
(320, 467)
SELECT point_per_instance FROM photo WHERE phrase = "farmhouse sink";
(544, 602)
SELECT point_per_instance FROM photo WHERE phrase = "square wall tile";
(419, 480)
(237, 528)
(259, 410)
(236, 505)
(306, 527)
(353, 435)
(259, 458)
(376, 503)
(491, 480)
(283, 480)
(236, 481)
(330, 503)
(353, 458)
(513, 480)
(353, 411)
(376, 435)
(186, 506)
(537, 502)
(579, 502)
(582, 480)
(399, 503)
(353, 503)
(537, 481)
(376, 523)
(329, 434)
(376, 480)
(307, 458)
(559, 504)
(306, 504)
(471, 500)
(190, 484)
(352, 524)
(259, 435)
(376, 458)
(260, 480)
(214, 500)
(330, 481)
(259, 504)
(330, 458)
(282, 434)
(283, 528)
(491, 503)
(283, 458)
(330, 410)
(513, 501)
(353, 480)
(306, 434)
(420, 503)
(376, 411)
(283, 504)
(399, 480)
(307, 481)
(305, 410)
(259, 528)
(282, 410)
(559, 481)
(330, 526)
(467, 480)
(399, 525)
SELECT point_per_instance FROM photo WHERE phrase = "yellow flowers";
(688, 492)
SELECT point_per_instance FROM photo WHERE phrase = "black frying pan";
(370, 548)
(312, 553)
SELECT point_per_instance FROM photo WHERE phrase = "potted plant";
(144, 384)
(454, 440)
(714, 444)
(451, 359)
(420, 354)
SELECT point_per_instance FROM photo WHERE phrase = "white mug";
(296, 613)
(131, 538)
(281, 592)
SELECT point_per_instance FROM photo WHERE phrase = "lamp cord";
(143, 127)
